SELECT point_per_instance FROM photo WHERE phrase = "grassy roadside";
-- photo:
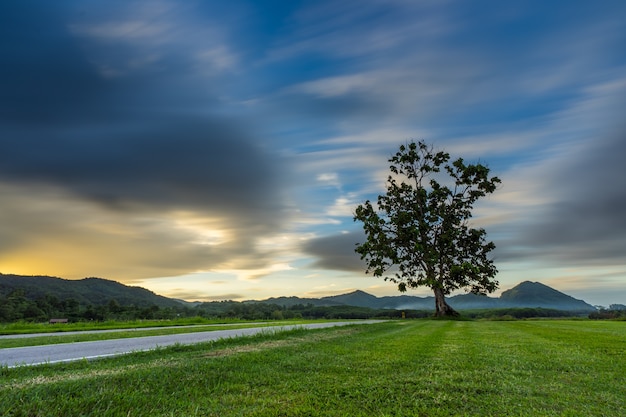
(401, 368)
(30, 328)
(88, 337)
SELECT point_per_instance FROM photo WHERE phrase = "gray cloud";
(148, 142)
(336, 252)
(45, 79)
(120, 140)
(586, 222)
(174, 163)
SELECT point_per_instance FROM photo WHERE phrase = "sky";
(211, 150)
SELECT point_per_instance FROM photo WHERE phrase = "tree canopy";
(418, 233)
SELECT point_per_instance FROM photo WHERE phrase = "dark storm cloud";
(44, 76)
(586, 222)
(121, 141)
(336, 252)
(172, 163)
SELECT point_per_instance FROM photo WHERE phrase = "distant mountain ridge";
(526, 294)
(98, 291)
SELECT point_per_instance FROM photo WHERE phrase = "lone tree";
(418, 233)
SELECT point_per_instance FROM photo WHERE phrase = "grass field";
(399, 368)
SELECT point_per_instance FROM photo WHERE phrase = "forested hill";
(86, 291)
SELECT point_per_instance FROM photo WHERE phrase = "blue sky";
(214, 150)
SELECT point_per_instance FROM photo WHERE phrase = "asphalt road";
(67, 352)
(134, 329)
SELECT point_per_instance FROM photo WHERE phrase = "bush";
(608, 315)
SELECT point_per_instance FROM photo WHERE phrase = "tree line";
(614, 311)
(17, 307)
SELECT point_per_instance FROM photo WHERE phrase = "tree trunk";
(442, 309)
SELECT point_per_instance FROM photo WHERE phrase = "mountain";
(536, 294)
(292, 301)
(86, 291)
(526, 294)
(473, 301)
(407, 302)
(362, 299)
(356, 298)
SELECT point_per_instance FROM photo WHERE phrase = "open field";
(399, 368)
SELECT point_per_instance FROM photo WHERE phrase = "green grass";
(88, 337)
(401, 368)
(23, 327)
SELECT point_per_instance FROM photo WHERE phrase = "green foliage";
(17, 307)
(609, 314)
(438, 368)
(418, 232)
(21, 309)
(519, 313)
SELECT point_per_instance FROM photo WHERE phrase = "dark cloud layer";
(586, 222)
(148, 144)
(45, 77)
(119, 141)
(336, 252)
(173, 163)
